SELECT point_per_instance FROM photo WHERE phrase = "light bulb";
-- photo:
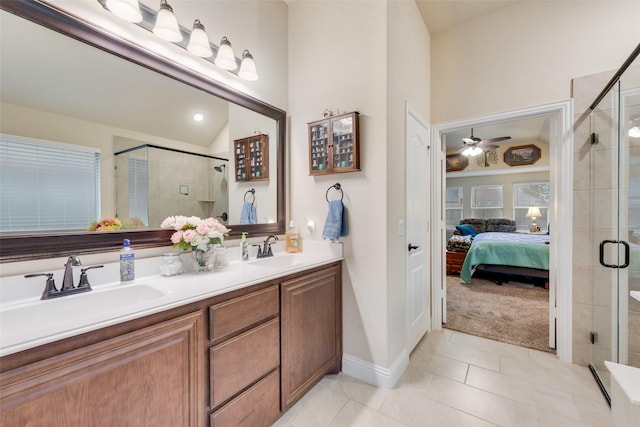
(634, 132)
(199, 41)
(248, 67)
(166, 24)
(129, 10)
(226, 59)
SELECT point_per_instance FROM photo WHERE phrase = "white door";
(417, 228)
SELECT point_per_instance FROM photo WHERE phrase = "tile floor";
(459, 380)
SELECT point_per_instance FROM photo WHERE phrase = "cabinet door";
(259, 157)
(311, 338)
(240, 155)
(319, 147)
(344, 134)
(151, 377)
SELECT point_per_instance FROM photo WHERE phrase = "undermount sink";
(80, 305)
(279, 261)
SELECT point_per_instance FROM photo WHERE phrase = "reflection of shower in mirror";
(220, 168)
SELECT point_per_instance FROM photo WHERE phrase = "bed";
(519, 254)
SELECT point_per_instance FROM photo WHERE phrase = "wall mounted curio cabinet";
(333, 144)
(252, 158)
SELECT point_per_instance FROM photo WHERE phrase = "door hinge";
(593, 337)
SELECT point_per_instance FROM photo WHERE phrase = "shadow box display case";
(334, 144)
(252, 158)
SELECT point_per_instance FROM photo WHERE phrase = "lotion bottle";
(127, 264)
(292, 237)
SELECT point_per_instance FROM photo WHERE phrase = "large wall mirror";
(70, 84)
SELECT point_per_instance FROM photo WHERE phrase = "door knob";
(412, 247)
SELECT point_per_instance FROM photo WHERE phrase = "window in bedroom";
(487, 201)
(527, 195)
(47, 185)
(453, 206)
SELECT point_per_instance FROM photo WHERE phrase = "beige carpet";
(509, 313)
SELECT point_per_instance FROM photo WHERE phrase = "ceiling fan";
(474, 145)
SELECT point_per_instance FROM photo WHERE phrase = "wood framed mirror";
(18, 246)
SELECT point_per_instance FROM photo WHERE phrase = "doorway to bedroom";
(498, 192)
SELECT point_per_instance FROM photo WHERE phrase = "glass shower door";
(615, 226)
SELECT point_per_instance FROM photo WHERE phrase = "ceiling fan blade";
(489, 140)
(488, 146)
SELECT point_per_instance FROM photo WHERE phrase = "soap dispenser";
(244, 247)
(292, 237)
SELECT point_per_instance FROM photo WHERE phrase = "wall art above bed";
(522, 155)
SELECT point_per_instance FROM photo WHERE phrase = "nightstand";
(455, 261)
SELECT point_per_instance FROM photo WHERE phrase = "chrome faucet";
(266, 247)
(50, 290)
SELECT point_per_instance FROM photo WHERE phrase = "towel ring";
(253, 195)
(337, 187)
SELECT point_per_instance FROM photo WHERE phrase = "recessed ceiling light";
(198, 117)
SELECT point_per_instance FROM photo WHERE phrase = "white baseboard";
(374, 374)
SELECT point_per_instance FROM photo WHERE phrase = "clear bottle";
(292, 237)
(171, 264)
(127, 264)
(244, 246)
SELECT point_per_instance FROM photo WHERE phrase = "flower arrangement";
(195, 233)
(105, 224)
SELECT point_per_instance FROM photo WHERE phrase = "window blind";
(139, 189)
(47, 186)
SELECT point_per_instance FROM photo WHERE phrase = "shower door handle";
(626, 253)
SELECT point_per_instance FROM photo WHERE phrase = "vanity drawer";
(231, 317)
(256, 407)
(242, 360)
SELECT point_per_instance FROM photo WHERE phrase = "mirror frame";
(21, 247)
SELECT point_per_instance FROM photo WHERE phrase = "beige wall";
(349, 63)
(527, 53)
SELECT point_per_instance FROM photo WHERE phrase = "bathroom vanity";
(240, 354)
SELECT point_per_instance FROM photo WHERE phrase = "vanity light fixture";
(634, 132)
(226, 59)
(129, 10)
(199, 41)
(247, 67)
(166, 24)
(634, 129)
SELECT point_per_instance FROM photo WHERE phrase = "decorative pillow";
(459, 243)
(466, 230)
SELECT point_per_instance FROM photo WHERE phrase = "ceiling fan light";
(129, 10)
(225, 58)
(166, 24)
(248, 67)
(199, 41)
(472, 151)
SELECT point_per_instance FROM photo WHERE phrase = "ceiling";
(440, 15)
(522, 131)
(64, 76)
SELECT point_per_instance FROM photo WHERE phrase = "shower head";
(220, 168)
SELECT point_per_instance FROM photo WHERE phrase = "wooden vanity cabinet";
(244, 360)
(311, 323)
(265, 346)
(151, 376)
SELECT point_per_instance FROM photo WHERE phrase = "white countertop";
(27, 322)
(628, 377)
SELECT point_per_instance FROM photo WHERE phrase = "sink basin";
(72, 306)
(279, 261)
